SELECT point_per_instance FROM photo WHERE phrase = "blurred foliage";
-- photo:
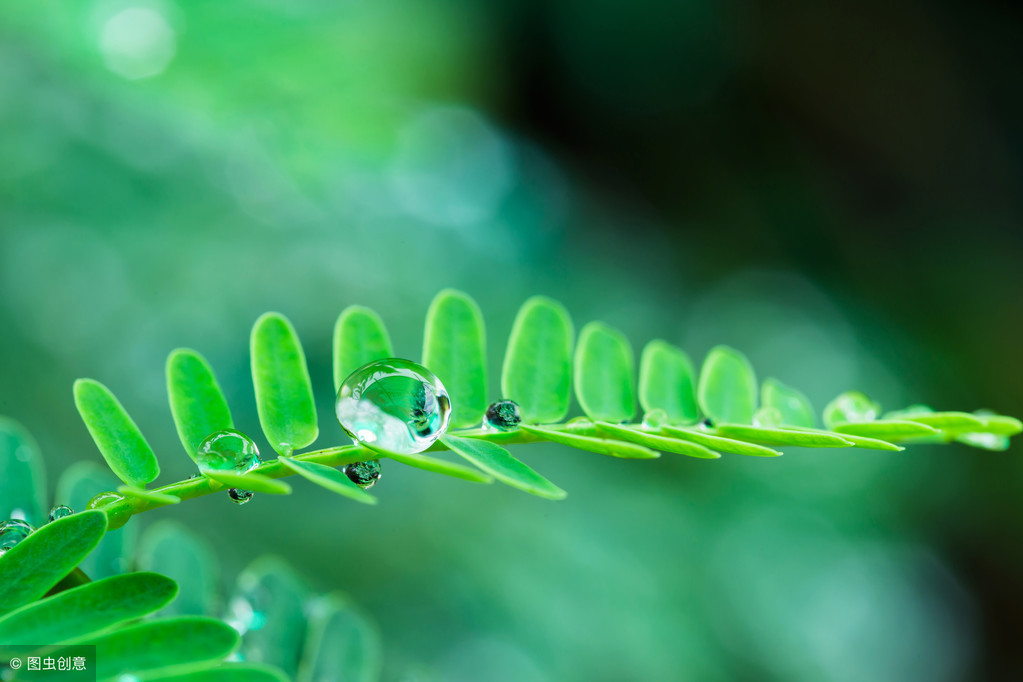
(832, 188)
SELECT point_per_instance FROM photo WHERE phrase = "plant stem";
(119, 512)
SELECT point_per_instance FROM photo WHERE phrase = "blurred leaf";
(267, 607)
(178, 553)
(342, 644)
(329, 478)
(767, 416)
(76, 486)
(999, 424)
(196, 401)
(251, 481)
(360, 337)
(886, 429)
(666, 382)
(795, 407)
(805, 439)
(118, 438)
(956, 421)
(602, 446)
(162, 646)
(454, 348)
(603, 374)
(284, 392)
(227, 672)
(719, 443)
(22, 475)
(87, 610)
(851, 406)
(728, 387)
(30, 568)
(440, 466)
(148, 495)
(537, 370)
(984, 441)
(656, 442)
(499, 463)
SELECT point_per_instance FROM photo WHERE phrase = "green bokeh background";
(833, 188)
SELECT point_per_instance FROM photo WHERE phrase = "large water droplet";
(504, 415)
(227, 450)
(364, 474)
(240, 496)
(60, 511)
(395, 405)
(12, 532)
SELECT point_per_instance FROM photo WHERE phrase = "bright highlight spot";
(137, 43)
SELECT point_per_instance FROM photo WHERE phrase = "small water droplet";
(655, 418)
(60, 511)
(12, 532)
(504, 415)
(707, 423)
(239, 496)
(227, 450)
(394, 404)
(364, 474)
(103, 499)
(767, 417)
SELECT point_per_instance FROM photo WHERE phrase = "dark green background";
(832, 187)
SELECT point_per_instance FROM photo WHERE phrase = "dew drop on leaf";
(227, 450)
(503, 415)
(364, 474)
(395, 405)
(12, 532)
(60, 511)
(239, 496)
(103, 499)
(655, 418)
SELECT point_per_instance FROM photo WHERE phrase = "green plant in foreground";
(720, 410)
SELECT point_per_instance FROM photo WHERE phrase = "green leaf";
(805, 439)
(857, 441)
(954, 421)
(499, 463)
(87, 610)
(174, 550)
(601, 446)
(440, 466)
(999, 424)
(329, 478)
(886, 429)
(275, 627)
(795, 407)
(227, 672)
(454, 348)
(118, 438)
(76, 486)
(148, 495)
(729, 445)
(162, 646)
(30, 568)
(666, 382)
(257, 483)
(284, 392)
(22, 475)
(360, 337)
(658, 442)
(196, 401)
(537, 370)
(603, 374)
(851, 406)
(342, 644)
(728, 387)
